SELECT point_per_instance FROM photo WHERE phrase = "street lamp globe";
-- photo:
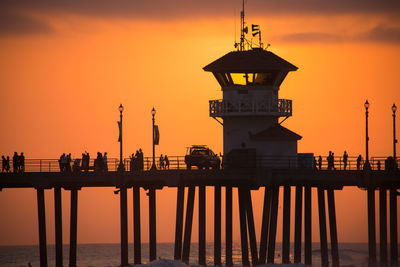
(366, 105)
(394, 108)
(153, 111)
(121, 108)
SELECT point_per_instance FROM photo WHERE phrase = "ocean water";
(107, 255)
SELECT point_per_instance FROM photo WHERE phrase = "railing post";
(40, 165)
(177, 158)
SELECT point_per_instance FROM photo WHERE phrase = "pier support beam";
(152, 225)
(333, 228)
(250, 224)
(58, 226)
(73, 228)
(297, 224)
(243, 228)
(124, 225)
(393, 227)
(188, 225)
(307, 226)
(272, 225)
(42, 227)
(371, 227)
(322, 228)
(137, 246)
(217, 225)
(179, 223)
(228, 226)
(202, 225)
(286, 225)
(383, 227)
(265, 225)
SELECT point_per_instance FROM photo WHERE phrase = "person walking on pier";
(166, 160)
(8, 164)
(320, 162)
(345, 157)
(161, 162)
(15, 162)
(359, 159)
(22, 162)
(329, 160)
(141, 160)
(105, 162)
(3, 161)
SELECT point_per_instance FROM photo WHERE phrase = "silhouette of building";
(250, 109)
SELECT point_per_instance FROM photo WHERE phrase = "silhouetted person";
(63, 163)
(359, 159)
(320, 162)
(15, 162)
(390, 164)
(329, 160)
(68, 165)
(105, 162)
(166, 160)
(345, 157)
(22, 162)
(161, 162)
(378, 165)
(8, 164)
(141, 160)
(87, 162)
(3, 164)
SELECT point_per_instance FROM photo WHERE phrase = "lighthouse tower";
(250, 110)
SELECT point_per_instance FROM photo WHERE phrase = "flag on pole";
(120, 131)
(156, 135)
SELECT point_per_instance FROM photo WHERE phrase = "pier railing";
(178, 163)
(220, 108)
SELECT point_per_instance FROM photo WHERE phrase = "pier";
(196, 182)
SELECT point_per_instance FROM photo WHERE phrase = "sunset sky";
(65, 67)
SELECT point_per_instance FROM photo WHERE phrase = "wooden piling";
(383, 226)
(251, 228)
(152, 225)
(42, 227)
(137, 243)
(228, 226)
(322, 228)
(73, 228)
(393, 227)
(297, 224)
(217, 225)
(333, 228)
(179, 222)
(58, 226)
(307, 226)
(272, 225)
(188, 225)
(265, 226)
(243, 227)
(286, 225)
(371, 227)
(124, 225)
(202, 225)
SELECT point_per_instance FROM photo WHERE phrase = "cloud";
(17, 24)
(380, 34)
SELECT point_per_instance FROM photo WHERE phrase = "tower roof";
(254, 60)
(275, 132)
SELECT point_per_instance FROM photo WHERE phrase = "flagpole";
(121, 164)
(154, 167)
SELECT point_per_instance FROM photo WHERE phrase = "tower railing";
(221, 108)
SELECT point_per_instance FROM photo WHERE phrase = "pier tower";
(250, 109)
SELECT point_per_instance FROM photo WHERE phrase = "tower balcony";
(225, 108)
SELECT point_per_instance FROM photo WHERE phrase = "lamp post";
(153, 167)
(121, 164)
(367, 165)
(394, 108)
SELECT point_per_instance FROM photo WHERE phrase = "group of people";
(164, 162)
(65, 162)
(137, 161)
(18, 162)
(100, 163)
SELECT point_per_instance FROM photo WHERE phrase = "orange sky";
(60, 91)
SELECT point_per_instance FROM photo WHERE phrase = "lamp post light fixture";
(121, 164)
(153, 167)
(367, 165)
(394, 109)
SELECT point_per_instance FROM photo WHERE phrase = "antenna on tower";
(243, 29)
